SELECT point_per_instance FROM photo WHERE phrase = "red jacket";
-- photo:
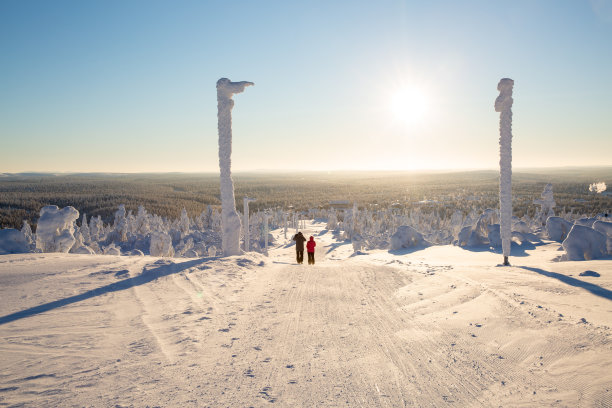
(310, 245)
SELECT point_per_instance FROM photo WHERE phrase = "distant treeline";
(23, 195)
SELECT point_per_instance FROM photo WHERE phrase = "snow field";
(434, 327)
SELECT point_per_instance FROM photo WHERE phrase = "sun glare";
(409, 106)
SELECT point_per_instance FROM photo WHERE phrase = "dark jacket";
(299, 241)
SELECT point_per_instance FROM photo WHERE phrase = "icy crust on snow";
(55, 229)
(503, 104)
(230, 219)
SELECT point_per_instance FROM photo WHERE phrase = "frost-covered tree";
(230, 235)
(247, 233)
(184, 223)
(503, 104)
(547, 203)
(55, 228)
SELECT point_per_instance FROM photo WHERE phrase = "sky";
(129, 86)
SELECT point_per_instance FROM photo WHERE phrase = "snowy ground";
(439, 327)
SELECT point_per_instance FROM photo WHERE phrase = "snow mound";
(408, 237)
(13, 241)
(55, 230)
(584, 243)
(84, 250)
(557, 228)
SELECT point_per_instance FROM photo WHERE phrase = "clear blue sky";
(129, 86)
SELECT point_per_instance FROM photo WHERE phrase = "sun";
(409, 105)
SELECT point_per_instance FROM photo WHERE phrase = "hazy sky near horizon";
(129, 86)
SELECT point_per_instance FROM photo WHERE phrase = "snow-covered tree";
(547, 203)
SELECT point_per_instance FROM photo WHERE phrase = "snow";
(55, 228)
(584, 243)
(503, 104)
(161, 245)
(12, 241)
(557, 228)
(230, 219)
(598, 188)
(407, 237)
(606, 229)
(547, 203)
(437, 326)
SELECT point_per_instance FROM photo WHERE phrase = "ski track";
(256, 331)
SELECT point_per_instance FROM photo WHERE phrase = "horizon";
(115, 87)
(306, 171)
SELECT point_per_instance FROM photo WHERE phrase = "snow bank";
(408, 237)
(557, 228)
(13, 241)
(584, 243)
(55, 229)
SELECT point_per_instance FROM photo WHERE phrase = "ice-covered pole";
(230, 221)
(245, 226)
(503, 104)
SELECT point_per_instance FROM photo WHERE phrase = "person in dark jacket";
(299, 246)
(310, 246)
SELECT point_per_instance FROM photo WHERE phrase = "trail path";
(380, 330)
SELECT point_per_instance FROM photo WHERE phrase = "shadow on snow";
(145, 277)
(591, 287)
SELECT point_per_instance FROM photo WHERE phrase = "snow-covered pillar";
(245, 225)
(503, 104)
(230, 221)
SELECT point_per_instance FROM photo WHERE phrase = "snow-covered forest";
(367, 228)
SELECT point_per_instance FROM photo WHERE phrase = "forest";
(166, 194)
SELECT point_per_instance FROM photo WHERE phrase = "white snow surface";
(439, 326)
(230, 220)
(503, 104)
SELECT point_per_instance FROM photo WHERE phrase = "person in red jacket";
(310, 246)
